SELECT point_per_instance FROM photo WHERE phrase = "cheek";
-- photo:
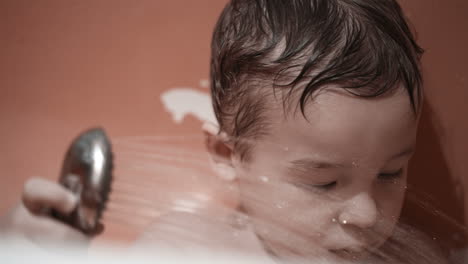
(391, 197)
(390, 202)
(285, 215)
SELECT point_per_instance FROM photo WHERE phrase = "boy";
(317, 103)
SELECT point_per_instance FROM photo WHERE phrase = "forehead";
(339, 125)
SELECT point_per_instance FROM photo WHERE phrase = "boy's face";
(332, 184)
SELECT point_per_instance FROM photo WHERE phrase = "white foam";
(180, 102)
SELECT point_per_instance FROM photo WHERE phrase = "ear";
(220, 151)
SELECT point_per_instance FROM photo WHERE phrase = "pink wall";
(69, 65)
(440, 166)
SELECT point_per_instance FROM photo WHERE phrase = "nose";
(360, 211)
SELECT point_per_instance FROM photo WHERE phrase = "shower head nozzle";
(87, 172)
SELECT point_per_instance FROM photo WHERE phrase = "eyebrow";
(308, 163)
(407, 152)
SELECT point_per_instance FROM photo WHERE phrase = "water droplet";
(334, 220)
(239, 221)
(264, 179)
(281, 205)
(344, 222)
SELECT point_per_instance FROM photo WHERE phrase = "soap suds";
(180, 102)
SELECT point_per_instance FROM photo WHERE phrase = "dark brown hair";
(364, 46)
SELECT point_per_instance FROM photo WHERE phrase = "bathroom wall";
(69, 65)
(439, 171)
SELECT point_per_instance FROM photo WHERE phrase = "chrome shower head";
(87, 172)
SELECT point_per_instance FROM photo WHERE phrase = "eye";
(318, 187)
(391, 176)
(326, 186)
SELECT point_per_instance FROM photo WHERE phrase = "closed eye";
(316, 187)
(326, 186)
(390, 176)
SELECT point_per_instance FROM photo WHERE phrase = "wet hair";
(299, 46)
